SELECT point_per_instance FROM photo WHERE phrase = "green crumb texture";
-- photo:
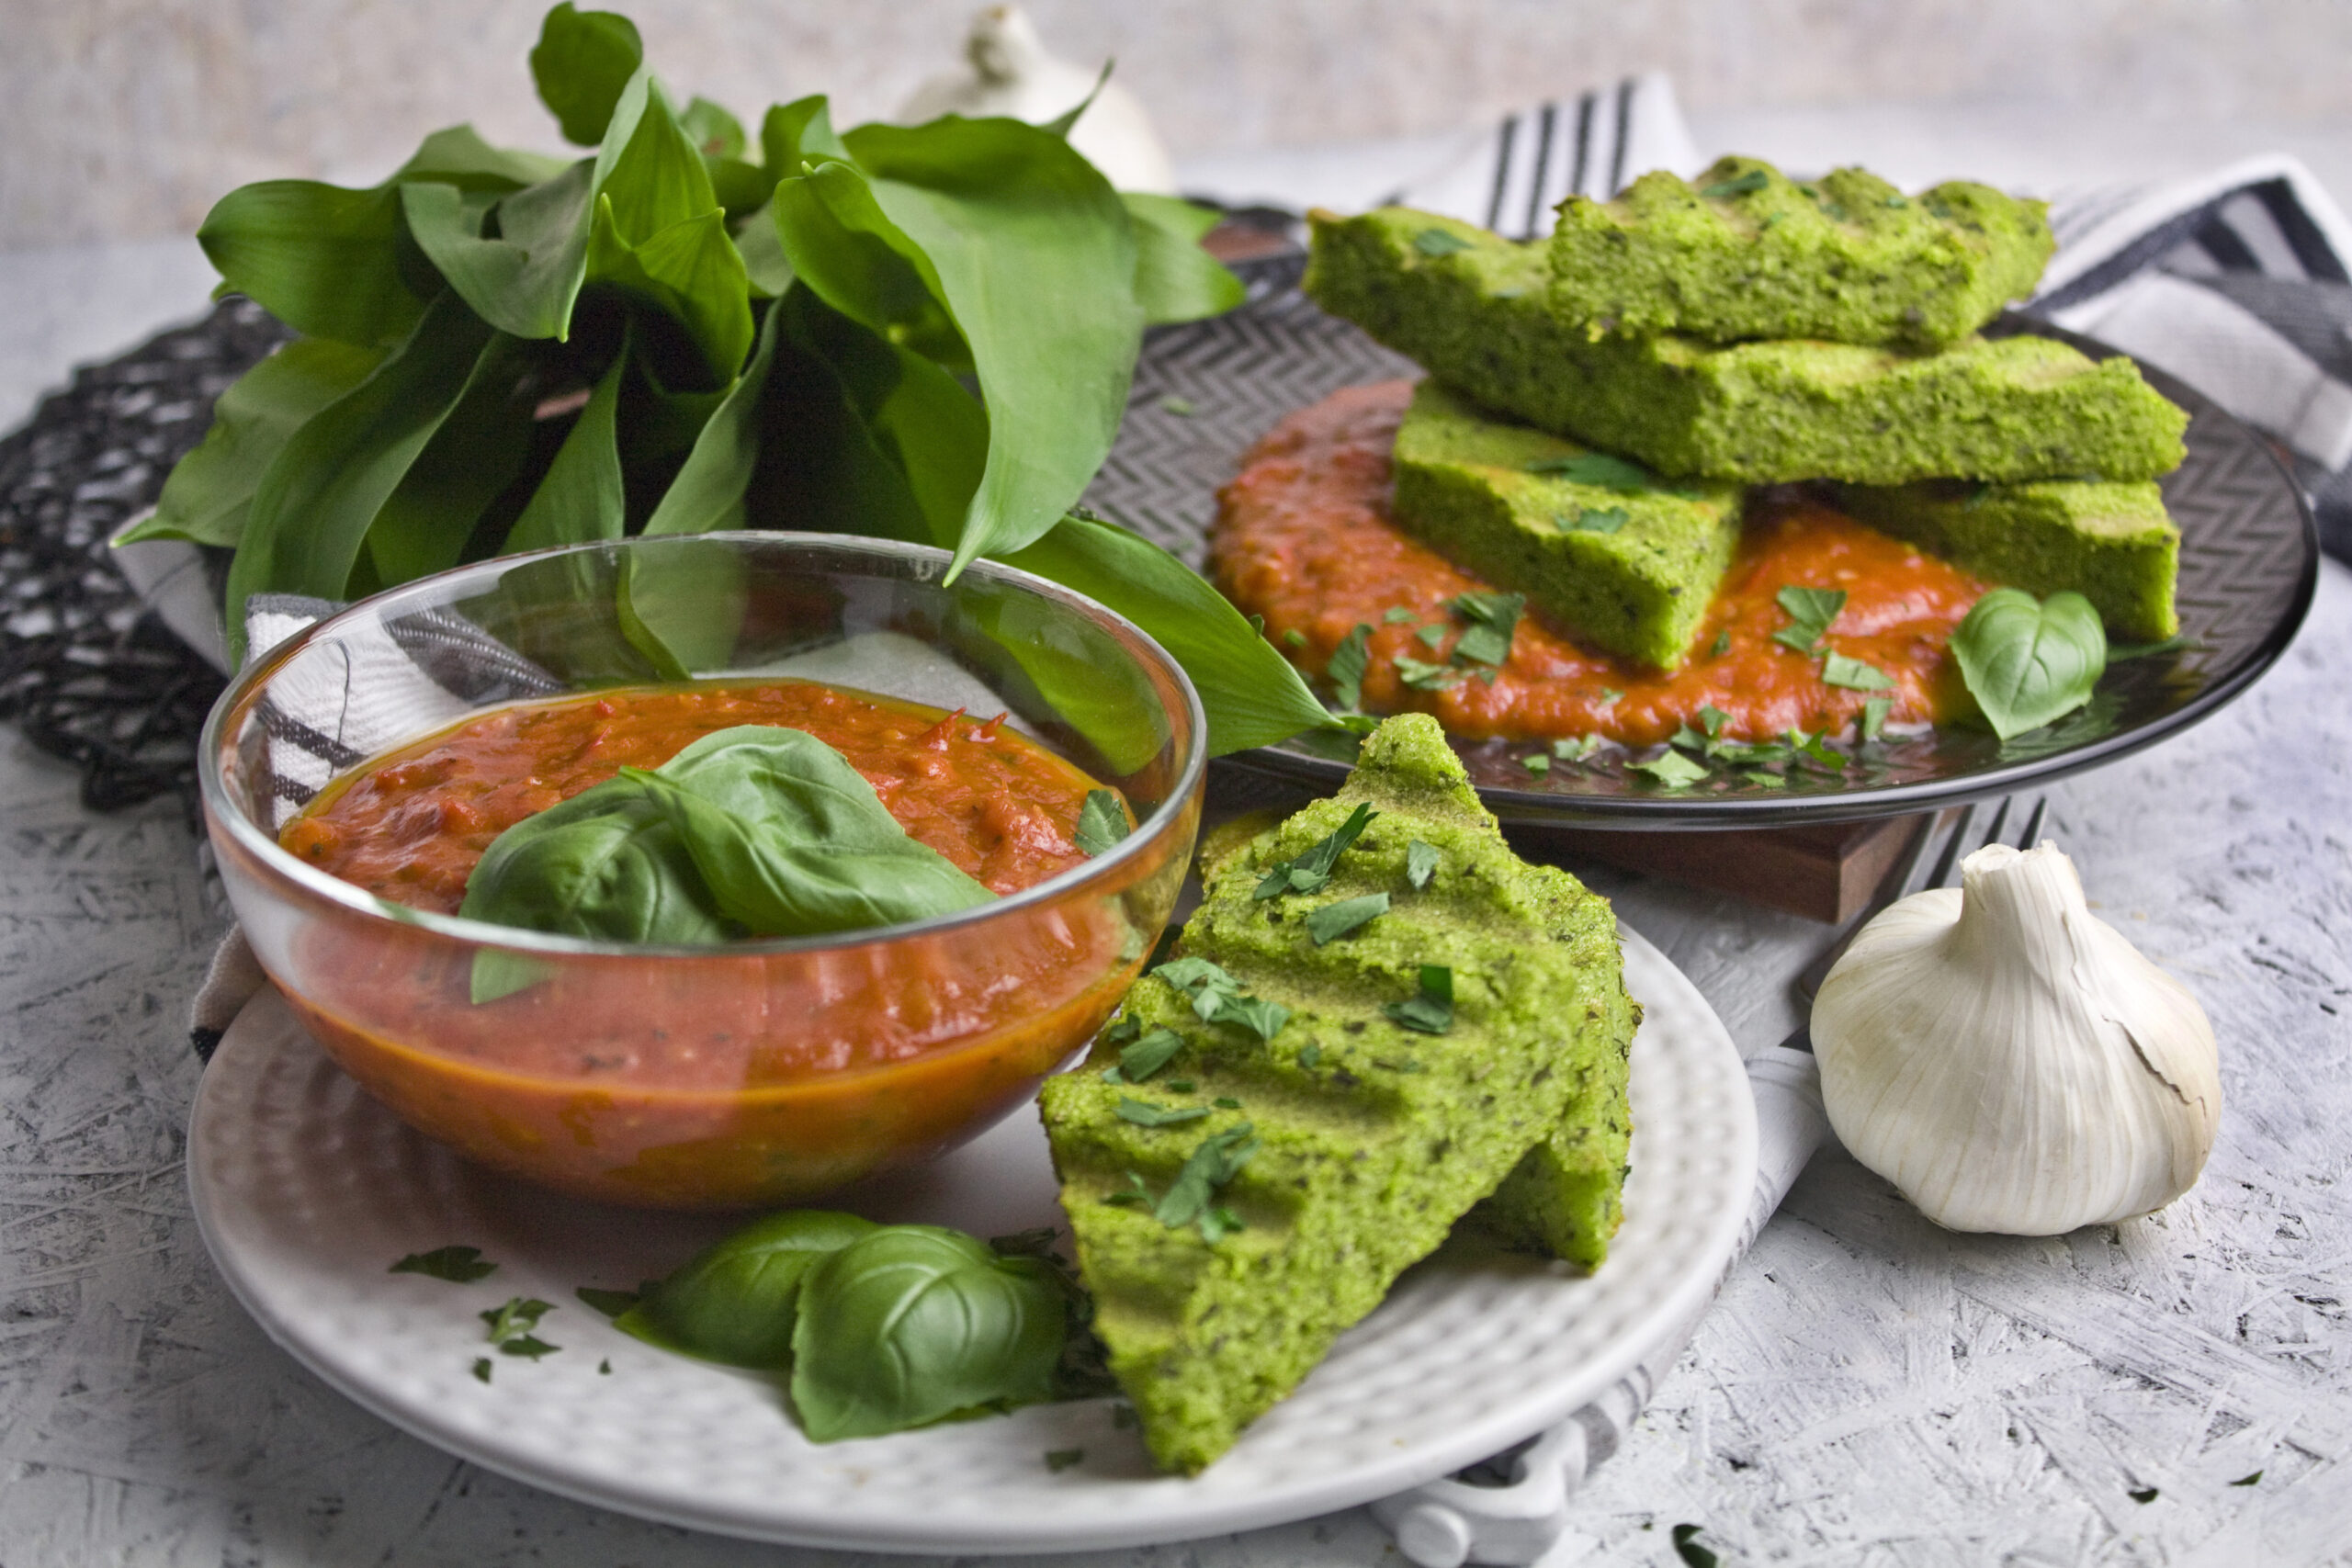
(1625, 567)
(1477, 316)
(1373, 1139)
(1744, 252)
(2113, 544)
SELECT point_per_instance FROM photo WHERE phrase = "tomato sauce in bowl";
(721, 1076)
(1304, 538)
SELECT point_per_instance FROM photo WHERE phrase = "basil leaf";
(2027, 663)
(1540, 762)
(1712, 719)
(459, 1265)
(314, 506)
(1673, 770)
(207, 496)
(913, 1324)
(1854, 675)
(604, 865)
(581, 64)
(1143, 1113)
(737, 1300)
(1348, 663)
(1102, 823)
(1329, 922)
(1420, 863)
(324, 260)
(1175, 279)
(1212, 1166)
(1149, 1054)
(583, 496)
(1251, 695)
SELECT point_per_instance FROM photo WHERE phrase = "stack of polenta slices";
(1597, 403)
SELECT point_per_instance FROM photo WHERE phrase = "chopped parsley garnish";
(1310, 1056)
(1226, 1102)
(604, 1369)
(1217, 998)
(1598, 470)
(1712, 719)
(1817, 749)
(512, 1327)
(1397, 615)
(1346, 666)
(612, 1303)
(1294, 639)
(1592, 519)
(1745, 185)
(1420, 862)
(1147, 1055)
(1143, 1113)
(1332, 921)
(1218, 1160)
(1609, 695)
(1689, 739)
(1435, 242)
(1576, 751)
(1874, 719)
(1219, 1222)
(1769, 781)
(1810, 613)
(1493, 618)
(1433, 635)
(1181, 407)
(1432, 1012)
(1722, 645)
(459, 1265)
(1309, 872)
(1059, 1460)
(1687, 1547)
(2247, 1480)
(2145, 1494)
(1102, 823)
(1854, 675)
(1673, 770)
(1539, 763)
(481, 1367)
(1424, 677)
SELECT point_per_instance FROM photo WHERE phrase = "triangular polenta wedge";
(1244, 1200)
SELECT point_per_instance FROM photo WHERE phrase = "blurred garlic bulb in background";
(1012, 74)
(2010, 1060)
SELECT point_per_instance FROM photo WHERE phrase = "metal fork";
(1445, 1523)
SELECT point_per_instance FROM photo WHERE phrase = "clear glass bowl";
(763, 1071)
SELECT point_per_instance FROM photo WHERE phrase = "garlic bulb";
(2010, 1060)
(1012, 74)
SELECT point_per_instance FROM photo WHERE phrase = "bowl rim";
(226, 816)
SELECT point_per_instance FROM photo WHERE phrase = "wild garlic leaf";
(1175, 279)
(583, 496)
(2028, 662)
(581, 64)
(324, 260)
(913, 1324)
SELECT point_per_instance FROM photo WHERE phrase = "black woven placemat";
(86, 671)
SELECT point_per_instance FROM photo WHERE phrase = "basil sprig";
(2027, 663)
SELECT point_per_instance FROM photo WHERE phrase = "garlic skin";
(1012, 76)
(2009, 1062)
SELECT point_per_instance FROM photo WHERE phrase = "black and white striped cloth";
(2235, 280)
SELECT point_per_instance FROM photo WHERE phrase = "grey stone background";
(124, 120)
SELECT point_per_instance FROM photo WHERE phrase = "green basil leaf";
(1102, 823)
(708, 494)
(1030, 251)
(2027, 663)
(526, 280)
(210, 491)
(1420, 863)
(913, 1324)
(1854, 675)
(314, 506)
(1175, 279)
(1143, 1113)
(1328, 923)
(583, 496)
(458, 156)
(738, 1299)
(458, 1265)
(326, 261)
(793, 841)
(1250, 692)
(581, 64)
(479, 449)
(1874, 719)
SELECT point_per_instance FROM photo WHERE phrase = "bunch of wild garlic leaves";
(501, 351)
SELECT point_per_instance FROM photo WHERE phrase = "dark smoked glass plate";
(2249, 564)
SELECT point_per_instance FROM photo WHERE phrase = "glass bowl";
(763, 1071)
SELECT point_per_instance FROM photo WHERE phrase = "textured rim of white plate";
(304, 1189)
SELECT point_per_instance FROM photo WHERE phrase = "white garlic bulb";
(1012, 76)
(2010, 1060)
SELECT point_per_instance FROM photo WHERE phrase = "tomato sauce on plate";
(1304, 538)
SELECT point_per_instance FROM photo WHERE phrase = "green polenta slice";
(1624, 566)
(1372, 1138)
(1744, 252)
(1474, 314)
(2114, 544)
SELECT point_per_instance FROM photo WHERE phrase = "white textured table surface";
(1869, 1391)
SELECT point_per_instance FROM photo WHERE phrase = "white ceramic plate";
(306, 1191)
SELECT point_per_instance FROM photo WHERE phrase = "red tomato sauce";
(411, 827)
(1304, 538)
